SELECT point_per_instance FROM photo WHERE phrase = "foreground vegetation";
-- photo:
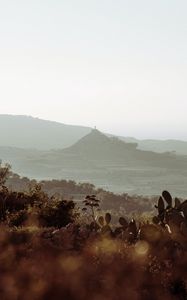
(51, 248)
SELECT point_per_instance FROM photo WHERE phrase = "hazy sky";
(120, 65)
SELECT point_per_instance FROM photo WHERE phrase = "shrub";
(17, 218)
(56, 213)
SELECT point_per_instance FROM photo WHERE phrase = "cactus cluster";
(171, 212)
(171, 219)
(127, 230)
(104, 224)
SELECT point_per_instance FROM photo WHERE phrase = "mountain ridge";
(29, 132)
(107, 162)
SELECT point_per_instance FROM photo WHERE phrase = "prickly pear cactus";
(169, 215)
(101, 221)
(183, 208)
(167, 197)
(108, 218)
(177, 203)
(123, 222)
(161, 209)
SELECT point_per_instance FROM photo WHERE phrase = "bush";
(18, 218)
(56, 213)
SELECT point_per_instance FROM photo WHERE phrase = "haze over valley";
(46, 150)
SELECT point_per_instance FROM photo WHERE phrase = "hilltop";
(97, 145)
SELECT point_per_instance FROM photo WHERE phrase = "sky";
(118, 65)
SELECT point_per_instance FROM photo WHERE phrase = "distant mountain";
(85, 155)
(106, 162)
(100, 148)
(29, 132)
(160, 146)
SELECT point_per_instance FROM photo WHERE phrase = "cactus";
(101, 221)
(183, 208)
(108, 218)
(161, 206)
(132, 227)
(167, 197)
(177, 203)
(170, 215)
(104, 224)
(132, 231)
(161, 209)
(122, 228)
(123, 222)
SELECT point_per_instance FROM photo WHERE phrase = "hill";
(98, 147)
(108, 163)
(29, 132)
(88, 156)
